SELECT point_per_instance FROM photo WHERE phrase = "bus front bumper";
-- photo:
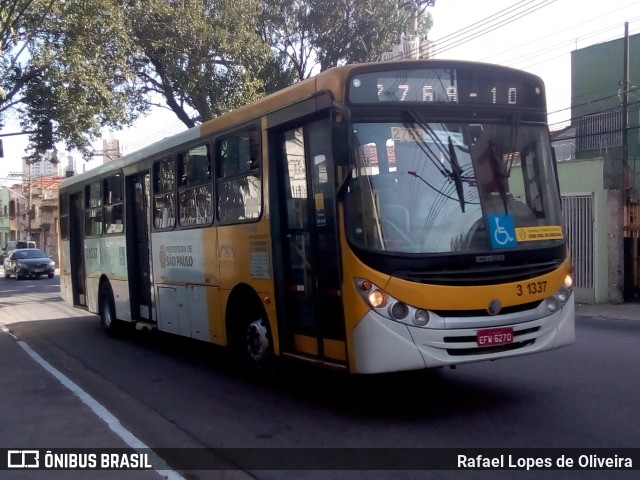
(383, 345)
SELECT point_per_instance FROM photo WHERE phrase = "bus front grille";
(461, 352)
(484, 313)
(453, 275)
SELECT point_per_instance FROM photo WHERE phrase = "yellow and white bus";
(377, 217)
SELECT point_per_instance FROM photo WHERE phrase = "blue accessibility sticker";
(501, 230)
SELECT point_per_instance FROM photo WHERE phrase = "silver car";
(28, 263)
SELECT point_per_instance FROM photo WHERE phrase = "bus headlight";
(559, 299)
(398, 310)
(377, 299)
(568, 281)
(421, 318)
(387, 306)
(552, 304)
(563, 295)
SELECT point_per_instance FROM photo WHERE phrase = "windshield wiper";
(498, 168)
(456, 171)
(415, 117)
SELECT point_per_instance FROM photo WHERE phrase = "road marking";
(114, 424)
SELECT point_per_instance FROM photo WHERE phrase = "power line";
(608, 39)
(635, 105)
(479, 23)
(498, 21)
(565, 31)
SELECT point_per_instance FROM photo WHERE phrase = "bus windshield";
(449, 187)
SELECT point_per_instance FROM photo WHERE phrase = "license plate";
(494, 336)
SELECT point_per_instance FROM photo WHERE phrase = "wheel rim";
(257, 341)
(106, 311)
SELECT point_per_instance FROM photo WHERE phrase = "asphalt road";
(178, 393)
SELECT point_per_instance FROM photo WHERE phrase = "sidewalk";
(623, 311)
(38, 412)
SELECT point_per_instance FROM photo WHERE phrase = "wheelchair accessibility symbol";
(503, 235)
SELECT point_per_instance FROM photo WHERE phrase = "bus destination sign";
(457, 86)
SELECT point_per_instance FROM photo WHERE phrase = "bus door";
(138, 196)
(76, 249)
(306, 230)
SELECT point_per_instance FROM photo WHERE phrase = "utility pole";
(625, 153)
(618, 199)
(414, 18)
(410, 45)
(29, 205)
(625, 101)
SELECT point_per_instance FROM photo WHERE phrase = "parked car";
(13, 244)
(28, 262)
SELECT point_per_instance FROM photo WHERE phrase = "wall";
(596, 84)
(4, 217)
(586, 177)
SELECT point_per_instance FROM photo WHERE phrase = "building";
(4, 216)
(42, 224)
(29, 211)
(42, 168)
(600, 184)
(18, 207)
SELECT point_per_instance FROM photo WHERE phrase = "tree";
(72, 67)
(201, 58)
(314, 35)
(66, 72)
(353, 31)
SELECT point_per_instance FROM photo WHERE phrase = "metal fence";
(579, 221)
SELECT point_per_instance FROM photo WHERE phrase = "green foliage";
(314, 35)
(69, 68)
(353, 31)
(203, 57)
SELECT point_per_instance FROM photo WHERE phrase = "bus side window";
(93, 210)
(113, 204)
(195, 194)
(164, 195)
(239, 192)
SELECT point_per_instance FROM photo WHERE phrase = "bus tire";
(108, 310)
(258, 346)
(250, 337)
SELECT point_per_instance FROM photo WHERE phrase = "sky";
(533, 35)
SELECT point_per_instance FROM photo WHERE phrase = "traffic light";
(1, 149)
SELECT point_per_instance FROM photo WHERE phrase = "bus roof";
(332, 80)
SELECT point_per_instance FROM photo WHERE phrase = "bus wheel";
(258, 350)
(108, 310)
